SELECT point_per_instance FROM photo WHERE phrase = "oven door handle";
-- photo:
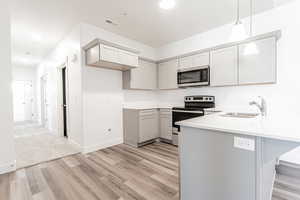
(184, 111)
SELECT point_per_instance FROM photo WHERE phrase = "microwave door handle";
(200, 78)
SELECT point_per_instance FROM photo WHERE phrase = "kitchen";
(228, 91)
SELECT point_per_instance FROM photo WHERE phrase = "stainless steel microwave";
(193, 77)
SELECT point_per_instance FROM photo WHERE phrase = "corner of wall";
(8, 167)
(103, 145)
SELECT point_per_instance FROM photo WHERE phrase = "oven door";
(193, 77)
(180, 115)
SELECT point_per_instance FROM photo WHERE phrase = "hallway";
(35, 144)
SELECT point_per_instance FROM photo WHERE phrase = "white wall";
(281, 97)
(66, 50)
(102, 108)
(7, 153)
(140, 98)
(96, 96)
(103, 97)
(28, 74)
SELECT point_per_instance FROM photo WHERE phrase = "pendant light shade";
(238, 31)
(167, 4)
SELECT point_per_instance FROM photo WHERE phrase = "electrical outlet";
(244, 143)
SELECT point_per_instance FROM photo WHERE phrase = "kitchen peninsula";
(232, 157)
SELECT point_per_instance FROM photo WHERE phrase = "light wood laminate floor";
(116, 173)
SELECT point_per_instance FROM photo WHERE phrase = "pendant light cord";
(251, 18)
(238, 11)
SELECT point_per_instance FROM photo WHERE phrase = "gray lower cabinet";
(140, 126)
(165, 118)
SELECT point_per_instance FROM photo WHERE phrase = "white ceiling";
(37, 26)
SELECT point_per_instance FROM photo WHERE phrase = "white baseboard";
(77, 145)
(10, 167)
(103, 145)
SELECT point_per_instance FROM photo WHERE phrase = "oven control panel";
(199, 99)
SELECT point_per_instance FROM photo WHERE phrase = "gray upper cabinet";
(260, 68)
(197, 60)
(167, 75)
(105, 56)
(142, 78)
(224, 67)
(201, 59)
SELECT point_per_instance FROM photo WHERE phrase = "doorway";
(23, 100)
(44, 101)
(47, 139)
(64, 101)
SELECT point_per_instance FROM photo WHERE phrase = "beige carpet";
(35, 144)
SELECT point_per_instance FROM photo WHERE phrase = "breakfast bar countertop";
(280, 128)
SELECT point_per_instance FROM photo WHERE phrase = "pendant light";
(238, 30)
(251, 48)
(167, 4)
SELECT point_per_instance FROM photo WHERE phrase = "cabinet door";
(201, 59)
(109, 54)
(148, 126)
(185, 62)
(224, 67)
(167, 75)
(259, 68)
(145, 76)
(127, 58)
(166, 124)
(197, 60)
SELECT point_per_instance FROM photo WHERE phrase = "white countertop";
(281, 128)
(149, 106)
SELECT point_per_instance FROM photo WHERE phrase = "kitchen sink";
(240, 115)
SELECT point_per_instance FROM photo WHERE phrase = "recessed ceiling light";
(167, 4)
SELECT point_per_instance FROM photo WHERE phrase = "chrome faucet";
(262, 106)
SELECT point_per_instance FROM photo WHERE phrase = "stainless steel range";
(193, 107)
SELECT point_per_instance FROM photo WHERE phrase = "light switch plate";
(244, 143)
